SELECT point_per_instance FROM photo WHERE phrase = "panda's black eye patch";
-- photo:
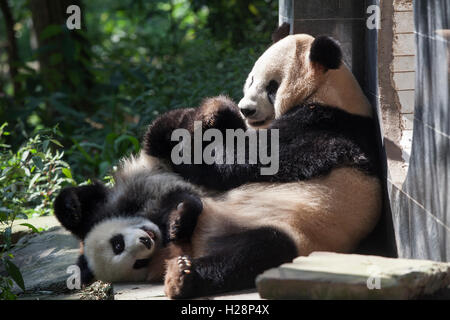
(272, 89)
(117, 243)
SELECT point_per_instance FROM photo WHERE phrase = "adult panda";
(325, 197)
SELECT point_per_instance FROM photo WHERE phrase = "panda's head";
(120, 226)
(115, 226)
(120, 248)
(299, 69)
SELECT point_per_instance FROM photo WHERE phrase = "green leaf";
(33, 228)
(83, 152)
(126, 137)
(57, 143)
(7, 237)
(55, 58)
(67, 173)
(38, 163)
(253, 9)
(33, 180)
(14, 273)
(45, 145)
(25, 155)
(50, 31)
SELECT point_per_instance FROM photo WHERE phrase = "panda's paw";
(183, 220)
(157, 139)
(180, 278)
(220, 113)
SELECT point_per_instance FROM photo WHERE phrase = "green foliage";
(142, 58)
(98, 88)
(30, 178)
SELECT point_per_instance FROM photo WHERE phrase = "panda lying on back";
(126, 229)
(325, 197)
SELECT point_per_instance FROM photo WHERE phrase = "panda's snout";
(248, 107)
(248, 112)
(146, 241)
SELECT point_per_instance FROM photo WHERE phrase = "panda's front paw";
(183, 220)
(157, 139)
(180, 278)
(220, 113)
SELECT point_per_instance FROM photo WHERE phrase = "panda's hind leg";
(232, 263)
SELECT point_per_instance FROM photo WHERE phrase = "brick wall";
(403, 70)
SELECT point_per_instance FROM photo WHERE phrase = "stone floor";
(44, 258)
(133, 291)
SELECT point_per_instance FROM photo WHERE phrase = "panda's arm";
(178, 214)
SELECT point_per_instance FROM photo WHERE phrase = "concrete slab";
(147, 291)
(325, 275)
(44, 258)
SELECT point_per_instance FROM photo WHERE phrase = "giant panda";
(325, 197)
(126, 230)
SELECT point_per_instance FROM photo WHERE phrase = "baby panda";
(126, 230)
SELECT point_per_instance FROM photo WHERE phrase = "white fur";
(331, 213)
(300, 81)
(108, 266)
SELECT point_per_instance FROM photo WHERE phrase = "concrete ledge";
(324, 275)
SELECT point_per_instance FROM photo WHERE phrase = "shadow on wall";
(346, 22)
(420, 206)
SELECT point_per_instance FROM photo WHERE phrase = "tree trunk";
(13, 53)
(63, 54)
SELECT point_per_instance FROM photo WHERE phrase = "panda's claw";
(179, 280)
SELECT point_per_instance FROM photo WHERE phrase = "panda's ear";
(75, 207)
(327, 52)
(281, 32)
(86, 274)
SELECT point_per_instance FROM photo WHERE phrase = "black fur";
(271, 90)
(281, 32)
(323, 138)
(327, 52)
(179, 228)
(162, 128)
(75, 207)
(87, 277)
(79, 209)
(234, 261)
(218, 112)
